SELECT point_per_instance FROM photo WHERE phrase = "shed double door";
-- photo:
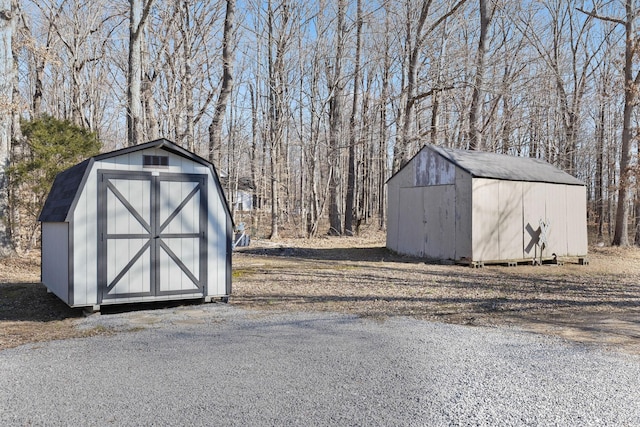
(152, 234)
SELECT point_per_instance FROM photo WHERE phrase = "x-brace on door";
(152, 234)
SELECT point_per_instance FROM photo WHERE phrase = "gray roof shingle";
(63, 193)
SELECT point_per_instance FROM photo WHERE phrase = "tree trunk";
(636, 239)
(7, 75)
(621, 233)
(351, 176)
(599, 184)
(475, 125)
(139, 11)
(335, 123)
(215, 129)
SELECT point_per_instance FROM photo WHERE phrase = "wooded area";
(309, 107)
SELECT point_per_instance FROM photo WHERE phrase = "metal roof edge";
(161, 143)
(575, 184)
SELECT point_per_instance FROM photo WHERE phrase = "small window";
(155, 161)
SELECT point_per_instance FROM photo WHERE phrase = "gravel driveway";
(219, 365)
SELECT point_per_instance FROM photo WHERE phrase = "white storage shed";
(477, 207)
(141, 224)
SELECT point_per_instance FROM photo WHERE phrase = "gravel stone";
(219, 365)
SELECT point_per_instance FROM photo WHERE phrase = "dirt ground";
(595, 304)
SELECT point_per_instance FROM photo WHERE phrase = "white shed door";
(151, 234)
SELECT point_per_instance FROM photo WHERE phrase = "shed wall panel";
(510, 220)
(556, 216)
(217, 249)
(576, 220)
(85, 246)
(411, 238)
(534, 201)
(463, 215)
(405, 178)
(439, 221)
(485, 233)
(393, 214)
(55, 258)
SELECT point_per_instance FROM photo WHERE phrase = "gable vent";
(155, 161)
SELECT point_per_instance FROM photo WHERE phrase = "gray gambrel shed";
(145, 223)
(478, 207)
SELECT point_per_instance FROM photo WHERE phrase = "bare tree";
(336, 84)
(631, 86)
(416, 38)
(351, 174)
(227, 81)
(475, 129)
(138, 14)
(7, 75)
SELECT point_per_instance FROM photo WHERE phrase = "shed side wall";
(556, 215)
(217, 243)
(486, 220)
(439, 232)
(411, 226)
(395, 209)
(510, 220)
(55, 261)
(463, 204)
(577, 220)
(534, 201)
(85, 246)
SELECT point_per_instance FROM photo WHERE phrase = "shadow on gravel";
(144, 306)
(32, 302)
(376, 254)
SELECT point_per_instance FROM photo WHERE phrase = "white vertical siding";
(217, 241)
(55, 258)
(85, 246)
(439, 221)
(393, 214)
(411, 228)
(577, 220)
(556, 214)
(510, 220)
(486, 221)
(463, 219)
(405, 178)
(534, 207)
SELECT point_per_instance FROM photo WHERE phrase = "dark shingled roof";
(63, 193)
(499, 166)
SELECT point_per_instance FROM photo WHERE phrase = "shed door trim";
(157, 248)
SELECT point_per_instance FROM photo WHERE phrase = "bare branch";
(594, 14)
